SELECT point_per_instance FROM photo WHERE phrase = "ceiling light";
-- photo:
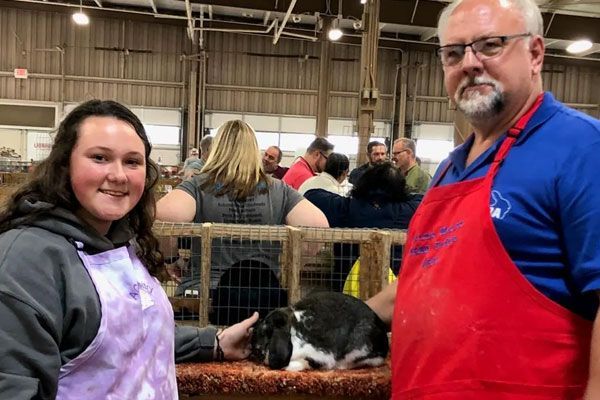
(579, 46)
(335, 33)
(363, 1)
(80, 18)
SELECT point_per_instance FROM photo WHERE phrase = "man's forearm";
(383, 303)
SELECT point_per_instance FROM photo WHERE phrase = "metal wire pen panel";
(222, 273)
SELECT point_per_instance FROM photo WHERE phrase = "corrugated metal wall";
(245, 73)
(248, 73)
(150, 74)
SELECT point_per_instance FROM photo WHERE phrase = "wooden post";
(462, 128)
(294, 264)
(205, 267)
(369, 93)
(324, 80)
(284, 262)
(383, 248)
(367, 256)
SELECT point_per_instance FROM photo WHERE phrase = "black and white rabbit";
(322, 331)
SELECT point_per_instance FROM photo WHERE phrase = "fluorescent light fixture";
(80, 18)
(335, 33)
(579, 46)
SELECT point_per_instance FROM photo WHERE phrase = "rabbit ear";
(280, 348)
(280, 345)
(280, 318)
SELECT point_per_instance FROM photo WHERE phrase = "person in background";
(271, 159)
(193, 165)
(332, 178)
(205, 147)
(501, 273)
(31, 166)
(83, 316)
(404, 157)
(312, 163)
(193, 156)
(233, 188)
(376, 153)
(380, 199)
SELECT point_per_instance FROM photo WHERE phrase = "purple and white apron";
(132, 355)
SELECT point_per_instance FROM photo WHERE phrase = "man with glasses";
(312, 163)
(498, 291)
(404, 157)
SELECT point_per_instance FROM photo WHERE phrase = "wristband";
(220, 353)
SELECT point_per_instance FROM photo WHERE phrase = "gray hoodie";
(49, 309)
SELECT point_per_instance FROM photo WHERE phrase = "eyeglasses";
(324, 155)
(484, 48)
(397, 153)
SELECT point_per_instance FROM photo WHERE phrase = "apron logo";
(434, 242)
(140, 287)
(499, 206)
(143, 291)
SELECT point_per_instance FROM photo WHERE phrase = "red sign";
(21, 73)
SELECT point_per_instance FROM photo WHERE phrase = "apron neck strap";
(512, 135)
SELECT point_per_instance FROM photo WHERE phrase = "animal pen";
(221, 273)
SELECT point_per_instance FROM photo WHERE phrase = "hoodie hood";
(63, 222)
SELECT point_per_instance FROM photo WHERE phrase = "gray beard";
(479, 107)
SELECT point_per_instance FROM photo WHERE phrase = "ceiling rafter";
(153, 5)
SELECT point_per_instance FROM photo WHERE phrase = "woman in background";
(82, 315)
(380, 199)
(233, 188)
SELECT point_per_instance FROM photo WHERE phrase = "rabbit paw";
(297, 365)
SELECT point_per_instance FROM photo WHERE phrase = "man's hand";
(235, 340)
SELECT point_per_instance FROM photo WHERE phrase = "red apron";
(467, 324)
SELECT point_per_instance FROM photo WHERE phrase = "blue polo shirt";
(545, 202)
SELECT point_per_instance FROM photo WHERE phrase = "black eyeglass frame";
(397, 153)
(463, 47)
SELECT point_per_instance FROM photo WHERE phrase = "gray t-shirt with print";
(269, 205)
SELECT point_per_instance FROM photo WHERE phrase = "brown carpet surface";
(245, 377)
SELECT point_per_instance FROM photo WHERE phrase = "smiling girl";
(82, 315)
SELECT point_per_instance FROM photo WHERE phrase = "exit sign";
(21, 73)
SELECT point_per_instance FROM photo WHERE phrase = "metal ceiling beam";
(153, 5)
(285, 20)
(566, 27)
(190, 21)
(429, 34)
(563, 26)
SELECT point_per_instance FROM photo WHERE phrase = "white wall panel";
(263, 122)
(298, 125)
